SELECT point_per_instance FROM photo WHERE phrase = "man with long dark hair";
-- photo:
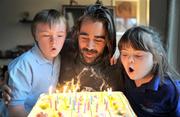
(86, 60)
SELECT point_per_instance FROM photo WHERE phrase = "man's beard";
(83, 59)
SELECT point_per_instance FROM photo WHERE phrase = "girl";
(150, 83)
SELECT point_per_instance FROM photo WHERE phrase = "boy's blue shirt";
(30, 75)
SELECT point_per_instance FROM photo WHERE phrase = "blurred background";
(16, 17)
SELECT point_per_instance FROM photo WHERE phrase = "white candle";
(78, 106)
(97, 107)
(50, 90)
(64, 89)
(69, 96)
(84, 104)
(109, 91)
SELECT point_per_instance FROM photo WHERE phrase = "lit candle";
(77, 86)
(57, 100)
(50, 92)
(74, 97)
(97, 107)
(74, 103)
(84, 104)
(72, 81)
(84, 107)
(96, 101)
(106, 105)
(69, 96)
(72, 85)
(109, 91)
(65, 89)
(78, 106)
(91, 99)
(56, 105)
(88, 105)
(50, 101)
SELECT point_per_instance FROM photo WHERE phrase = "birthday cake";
(82, 104)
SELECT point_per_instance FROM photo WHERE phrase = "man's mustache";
(89, 50)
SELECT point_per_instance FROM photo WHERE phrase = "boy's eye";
(46, 35)
(59, 35)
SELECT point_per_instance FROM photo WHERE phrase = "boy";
(36, 70)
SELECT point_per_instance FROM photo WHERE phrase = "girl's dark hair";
(147, 39)
(48, 16)
(102, 14)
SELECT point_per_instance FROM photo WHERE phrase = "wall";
(12, 32)
(158, 16)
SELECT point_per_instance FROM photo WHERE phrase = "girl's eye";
(124, 54)
(138, 56)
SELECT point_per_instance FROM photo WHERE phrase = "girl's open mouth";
(131, 69)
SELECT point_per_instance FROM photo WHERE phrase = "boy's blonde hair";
(47, 16)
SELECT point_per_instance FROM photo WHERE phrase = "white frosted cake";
(82, 104)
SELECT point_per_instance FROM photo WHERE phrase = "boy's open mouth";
(53, 48)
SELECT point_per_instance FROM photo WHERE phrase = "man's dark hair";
(102, 14)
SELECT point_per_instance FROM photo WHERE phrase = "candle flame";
(72, 86)
(65, 88)
(109, 90)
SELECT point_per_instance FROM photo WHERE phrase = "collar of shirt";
(152, 85)
(39, 57)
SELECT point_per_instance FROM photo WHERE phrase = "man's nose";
(91, 44)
